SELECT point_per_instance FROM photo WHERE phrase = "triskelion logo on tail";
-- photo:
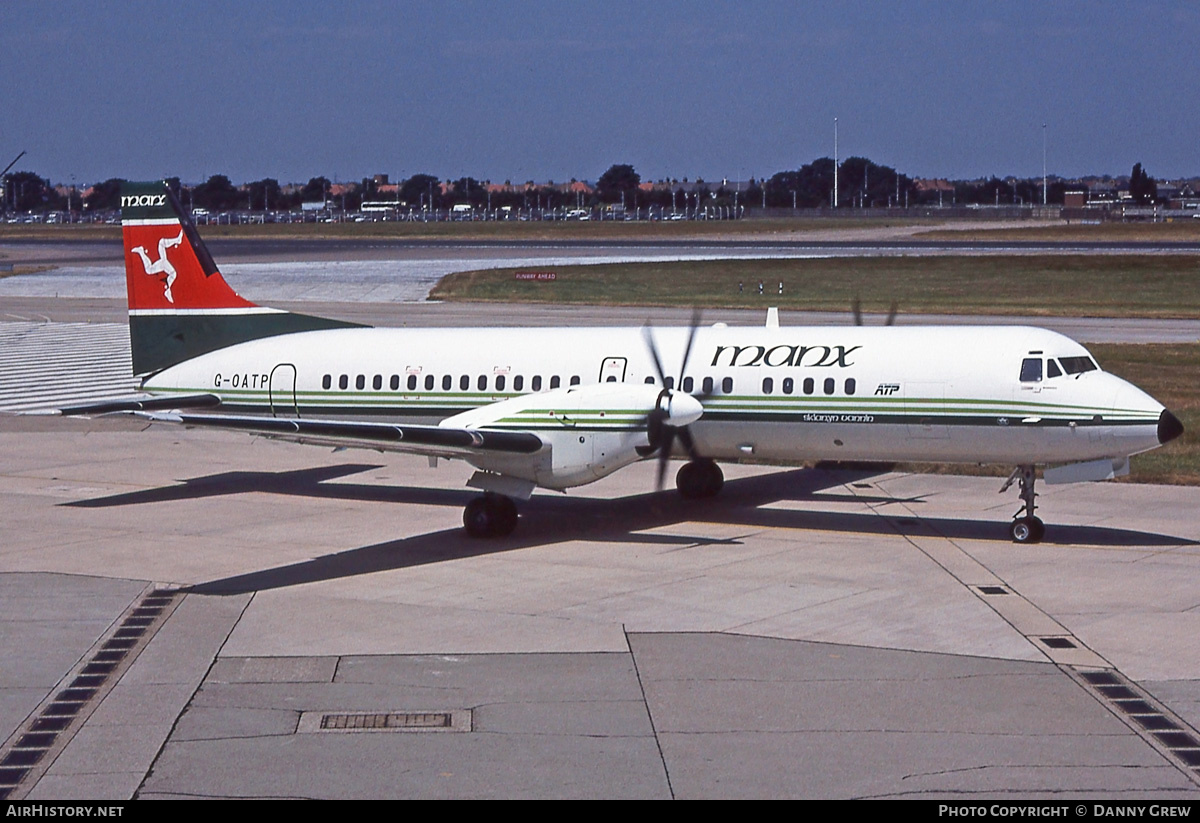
(162, 265)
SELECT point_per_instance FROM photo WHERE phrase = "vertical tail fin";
(179, 304)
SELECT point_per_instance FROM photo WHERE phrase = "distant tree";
(25, 191)
(315, 190)
(468, 190)
(811, 183)
(752, 197)
(1142, 187)
(617, 181)
(105, 196)
(420, 186)
(265, 194)
(217, 194)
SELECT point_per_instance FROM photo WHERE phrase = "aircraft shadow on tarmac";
(547, 520)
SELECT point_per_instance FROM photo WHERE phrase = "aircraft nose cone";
(1169, 427)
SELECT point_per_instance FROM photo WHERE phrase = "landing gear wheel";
(1027, 530)
(699, 479)
(490, 516)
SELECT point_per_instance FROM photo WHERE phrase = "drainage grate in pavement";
(457, 720)
(1155, 723)
(434, 720)
(1058, 643)
(33, 747)
(993, 590)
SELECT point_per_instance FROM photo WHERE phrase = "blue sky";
(552, 90)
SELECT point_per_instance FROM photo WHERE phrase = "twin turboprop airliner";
(556, 408)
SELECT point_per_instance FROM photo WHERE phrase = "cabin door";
(283, 391)
(612, 370)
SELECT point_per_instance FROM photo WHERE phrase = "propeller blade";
(685, 437)
(664, 456)
(856, 307)
(687, 352)
(648, 336)
(891, 318)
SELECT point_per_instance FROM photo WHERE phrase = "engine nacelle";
(590, 431)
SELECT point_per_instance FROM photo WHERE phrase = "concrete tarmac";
(206, 614)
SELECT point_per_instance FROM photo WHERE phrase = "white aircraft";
(558, 408)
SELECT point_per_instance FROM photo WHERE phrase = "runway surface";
(202, 614)
(205, 614)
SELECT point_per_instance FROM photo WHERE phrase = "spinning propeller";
(674, 410)
(856, 307)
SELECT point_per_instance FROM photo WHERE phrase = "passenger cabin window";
(377, 383)
(669, 382)
(768, 385)
(428, 382)
(518, 383)
(727, 385)
(851, 385)
(789, 385)
(360, 382)
(327, 381)
(650, 380)
(707, 385)
(500, 381)
(1052, 369)
(1031, 370)
(343, 381)
(536, 383)
(412, 382)
(808, 385)
(395, 382)
(482, 383)
(555, 382)
(574, 380)
(447, 383)
(688, 384)
(829, 385)
(464, 382)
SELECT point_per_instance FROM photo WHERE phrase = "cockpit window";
(1052, 369)
(1077, 365)
(1031, 370)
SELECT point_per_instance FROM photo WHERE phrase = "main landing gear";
(1027, 528)
(492, 515)
(698, 479)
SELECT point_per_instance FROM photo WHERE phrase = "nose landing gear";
(1028, 528)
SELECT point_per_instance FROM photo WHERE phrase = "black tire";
(1026, 530)
(479, 518)
(490, 516)
(1039, 529)
(699, 479)
(714, 479)
(506, 517)
(687, 480)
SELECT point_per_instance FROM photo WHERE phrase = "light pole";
(1043, 164)
(835, 164)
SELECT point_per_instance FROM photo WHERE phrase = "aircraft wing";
(438, 441)
(143, 403)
